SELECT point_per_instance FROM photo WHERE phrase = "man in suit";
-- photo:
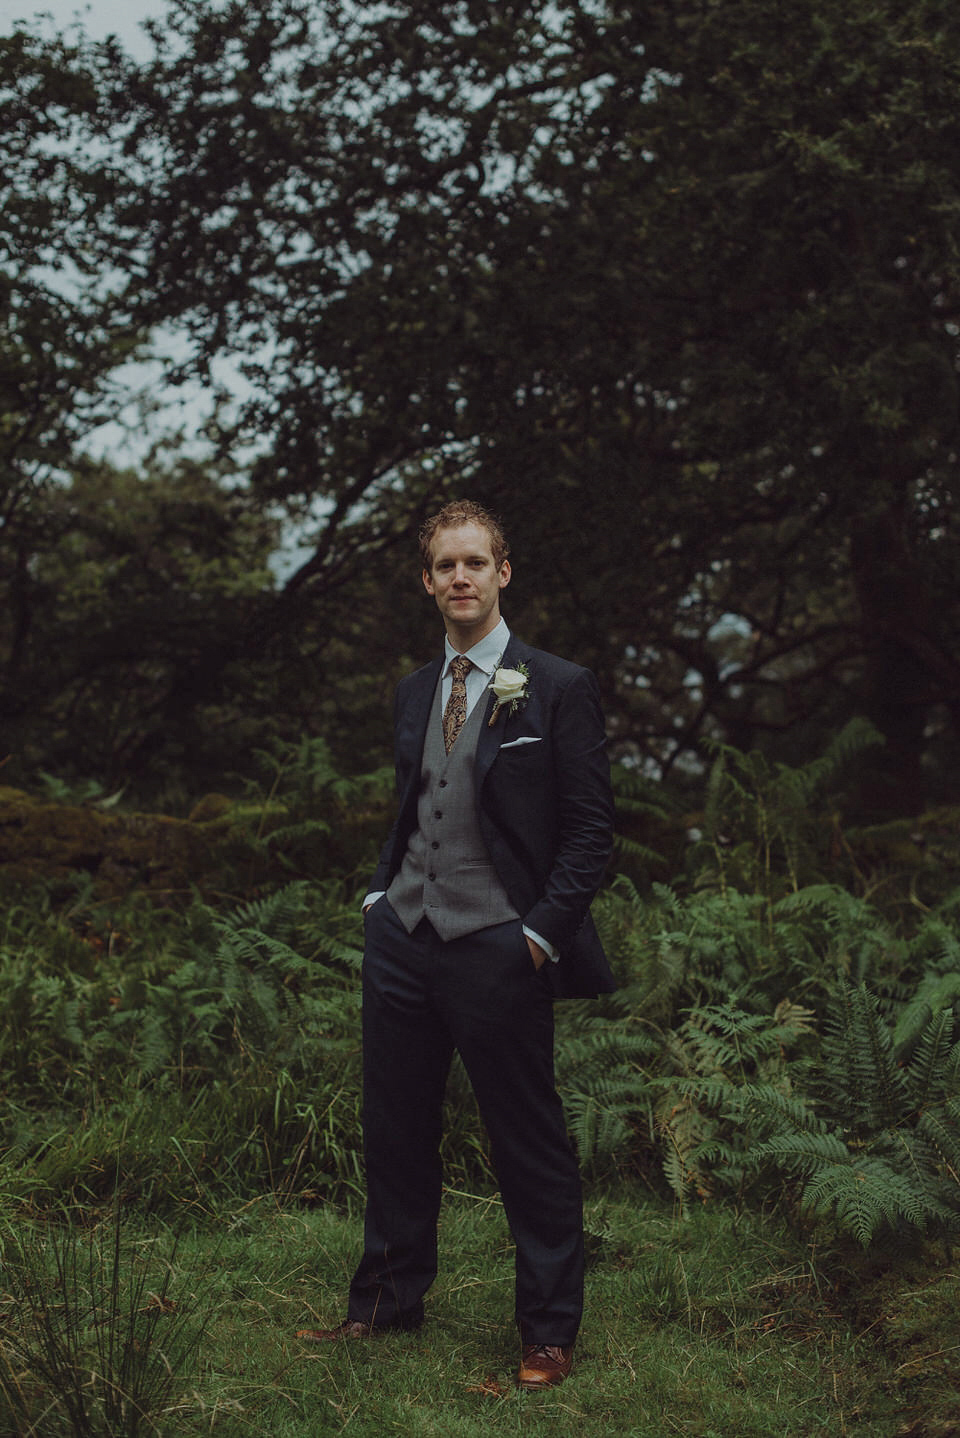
(477, 917)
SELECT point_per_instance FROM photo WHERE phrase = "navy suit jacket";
(545, 808)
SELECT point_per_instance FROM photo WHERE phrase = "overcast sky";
(100, 17)
(123, 444)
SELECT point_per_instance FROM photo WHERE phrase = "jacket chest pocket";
(522, 763)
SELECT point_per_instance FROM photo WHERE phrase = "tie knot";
(460, 666)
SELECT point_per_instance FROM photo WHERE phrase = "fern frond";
(926, 1069)
(601, 1049)
(641, 854)
(767, 1108)
(936, 944)
(941, 1129)
(684, 1129)
(860, 1075)
(870, 1191)
(275, 914)
(706, 1093)
(853, 740)
(602, 1122)
(864, 1196)
(347, 954)
(304, 829)
(794, 1019)
(729, 1038)
(802, 1152)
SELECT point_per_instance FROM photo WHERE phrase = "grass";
(715, 1326)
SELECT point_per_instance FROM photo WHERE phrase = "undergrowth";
(783, 1042)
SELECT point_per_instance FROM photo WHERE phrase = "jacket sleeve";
(381, 875)
(582, 840)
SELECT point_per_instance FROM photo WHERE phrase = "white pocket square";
(527, 739)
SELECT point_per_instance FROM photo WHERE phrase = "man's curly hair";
(464, 511)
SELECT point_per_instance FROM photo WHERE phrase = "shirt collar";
(486, 652)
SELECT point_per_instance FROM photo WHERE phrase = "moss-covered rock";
(224, 847)
(44, 840)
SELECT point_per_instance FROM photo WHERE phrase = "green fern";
(641, 806)
(863, 1196)
(762, 832)
(841, 931)
(858, 1050)
(606, 1093)
(933, 1058)
(881, 1144)
(720, 1055)
(935, 995)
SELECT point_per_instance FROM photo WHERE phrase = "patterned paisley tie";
(456, 711)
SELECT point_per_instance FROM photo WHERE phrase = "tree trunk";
(908, 668)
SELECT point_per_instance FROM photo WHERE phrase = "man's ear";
(427, 581)
(505, 572)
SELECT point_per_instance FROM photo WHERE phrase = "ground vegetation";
(766, 1115)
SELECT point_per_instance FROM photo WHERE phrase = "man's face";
(465, 582)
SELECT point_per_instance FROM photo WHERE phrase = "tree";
(61, 333)
(143, 582)
(672, 286)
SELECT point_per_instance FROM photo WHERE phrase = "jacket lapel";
(416, 713)
(491, 738)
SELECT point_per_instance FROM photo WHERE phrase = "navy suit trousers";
(483, 996)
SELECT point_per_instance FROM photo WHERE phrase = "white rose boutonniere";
(511, 686)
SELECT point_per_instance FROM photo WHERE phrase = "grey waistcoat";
(446, 874)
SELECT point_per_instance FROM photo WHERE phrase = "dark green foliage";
(230, 1039)
(672, 287)
(778, 1031)
(736, 1091)
(765, 829)
(877, 1143)
(648, 823)
(775, 1033)
(607, 1095)
(138, 587)
(303, 816)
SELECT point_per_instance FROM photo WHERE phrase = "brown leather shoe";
(542, 1365)
(349, 1328)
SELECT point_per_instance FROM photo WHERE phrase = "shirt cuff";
(372, 899)
(547, 947)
